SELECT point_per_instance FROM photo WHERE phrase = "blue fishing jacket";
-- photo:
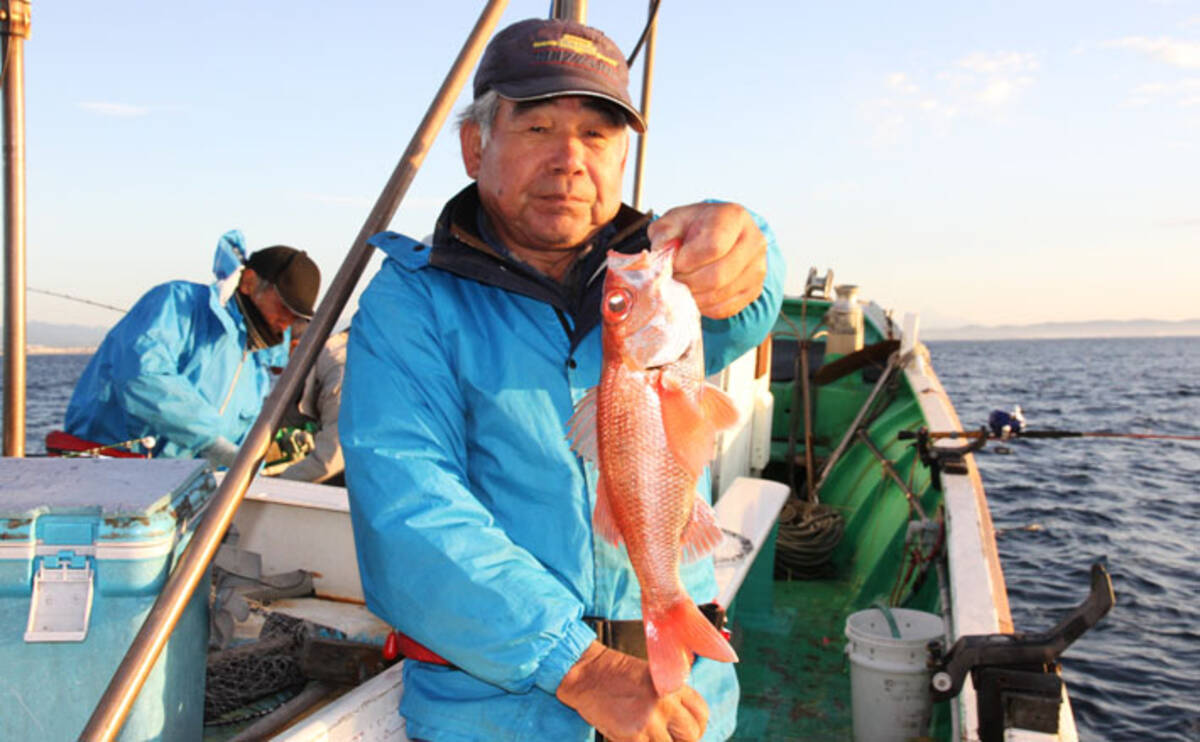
(175, 367)
(472, 516)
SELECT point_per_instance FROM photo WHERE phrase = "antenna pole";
(14, 29)
(647, 78)
(570, 10)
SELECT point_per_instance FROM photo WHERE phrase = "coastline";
(51, 350)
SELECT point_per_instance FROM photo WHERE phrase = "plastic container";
(845, 321)
(889, 680)
(85, 547)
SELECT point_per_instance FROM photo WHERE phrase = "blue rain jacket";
(176, 368)
(472, 516)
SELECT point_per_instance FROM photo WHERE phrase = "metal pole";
(118, 698)
(14, 28)
(892, 365)
(570, 10)
(647, 77)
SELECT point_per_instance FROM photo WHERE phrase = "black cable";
(645, 32)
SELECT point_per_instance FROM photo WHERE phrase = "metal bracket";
(15, 18)
(61, 605)
(943, 458)
(1016, 675)
(818, 286)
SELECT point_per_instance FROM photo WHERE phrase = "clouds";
(978, 85)
(1184, 93)
(117, 110)
(1183, 54)
(991, 81)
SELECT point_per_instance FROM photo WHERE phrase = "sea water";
(1061, 504)
(1058, 505)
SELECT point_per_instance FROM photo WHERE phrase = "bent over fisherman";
(188, 368)
(472, 515)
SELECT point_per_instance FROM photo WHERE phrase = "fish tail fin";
(673, 636)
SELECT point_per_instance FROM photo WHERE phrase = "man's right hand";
(613, 692)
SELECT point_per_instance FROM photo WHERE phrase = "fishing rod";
(77, 298)
(1006, 426)
(985, 433)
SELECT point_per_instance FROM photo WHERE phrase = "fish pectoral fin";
(718, 407)
(690, 436)
(603, 520)
(701, 534)
(581, 428)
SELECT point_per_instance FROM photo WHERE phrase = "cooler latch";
(61, 605)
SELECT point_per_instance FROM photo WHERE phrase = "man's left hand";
(723, 258)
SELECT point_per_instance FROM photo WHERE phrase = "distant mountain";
(1095, 329)
(48, 335)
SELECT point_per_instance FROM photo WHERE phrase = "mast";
(14, 29)
(647, 76)
(109, 714)
(570, 10)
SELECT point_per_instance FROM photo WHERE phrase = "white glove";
(220, 453)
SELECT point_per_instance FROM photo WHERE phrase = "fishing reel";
(1005, 425)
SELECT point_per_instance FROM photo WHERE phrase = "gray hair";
(482, 112)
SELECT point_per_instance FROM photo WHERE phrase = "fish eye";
(617, 303)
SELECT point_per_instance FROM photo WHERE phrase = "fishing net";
(733, 548)
(252, 679)
(250, 673)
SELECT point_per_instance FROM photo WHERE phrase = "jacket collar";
(459, 248)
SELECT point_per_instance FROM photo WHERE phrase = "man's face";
(267, 299)
(550, 176)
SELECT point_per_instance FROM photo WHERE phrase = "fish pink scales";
(650, 428)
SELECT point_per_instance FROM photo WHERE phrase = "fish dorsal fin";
(690, 436)
(718, 407)
(701, 534)
(581, 428)
(603, 520)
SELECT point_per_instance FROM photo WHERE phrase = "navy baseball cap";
(536, 59)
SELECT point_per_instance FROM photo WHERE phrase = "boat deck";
(793, 670)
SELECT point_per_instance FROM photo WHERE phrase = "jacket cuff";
(563, 655)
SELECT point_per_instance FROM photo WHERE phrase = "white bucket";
(889, 681)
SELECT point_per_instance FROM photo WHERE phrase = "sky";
(977, 163)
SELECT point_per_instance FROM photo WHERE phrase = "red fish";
(650, 428)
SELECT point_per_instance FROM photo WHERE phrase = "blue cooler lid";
(129, 499)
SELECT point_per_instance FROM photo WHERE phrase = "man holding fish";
(526, 424)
